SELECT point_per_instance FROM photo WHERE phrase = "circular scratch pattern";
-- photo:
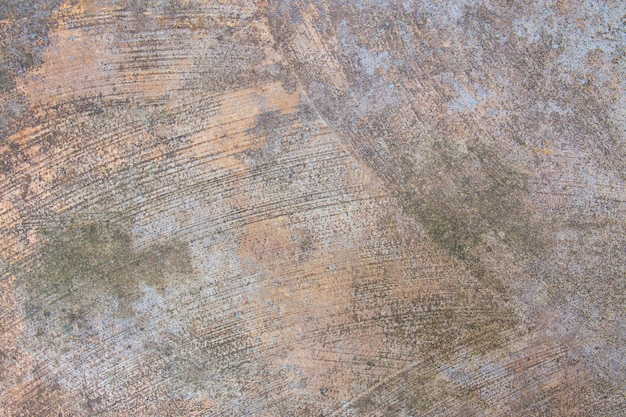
(312, 208)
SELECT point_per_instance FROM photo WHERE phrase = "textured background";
(312, 208)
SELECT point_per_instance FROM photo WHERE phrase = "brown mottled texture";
(312, 208)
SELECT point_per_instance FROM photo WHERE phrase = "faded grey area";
(313, 208)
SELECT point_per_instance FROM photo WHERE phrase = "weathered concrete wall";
(312, 208)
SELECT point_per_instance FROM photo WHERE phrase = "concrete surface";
(312, 208)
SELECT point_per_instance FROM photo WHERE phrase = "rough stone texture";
(312, 207)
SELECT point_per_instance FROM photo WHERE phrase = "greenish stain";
(82, 263)
(474, 194)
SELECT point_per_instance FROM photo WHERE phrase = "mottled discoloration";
(24, 28)
(82, 264)
(312, 208)
(467, 112)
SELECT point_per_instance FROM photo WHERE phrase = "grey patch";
(466, 101)
(139, 7)
(275, 128)
(23, 37)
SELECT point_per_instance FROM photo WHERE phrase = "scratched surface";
(312, 208)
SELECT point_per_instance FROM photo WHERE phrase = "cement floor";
(312, 208)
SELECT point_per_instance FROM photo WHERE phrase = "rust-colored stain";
(312, 208)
